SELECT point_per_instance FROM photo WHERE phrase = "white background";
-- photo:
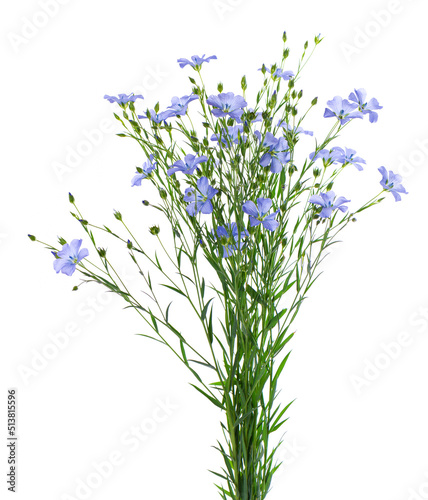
(353, 432)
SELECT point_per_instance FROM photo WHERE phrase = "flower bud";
(284, 36)
(118, 215)
(75, 288)
(155, 230)
(163, 194)
(220, 87)
(244, 83)
(273, 100)
(300, 94)
(71, 198)
(145, 203)
(314, 101)
(317, 172)
(290, 84)
(61, 240)
(102, 252)
(32, 237)
(285, 53)
(306, 45)
(129, 244)
(83, 222)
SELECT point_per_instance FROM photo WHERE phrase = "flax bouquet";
(233, 198)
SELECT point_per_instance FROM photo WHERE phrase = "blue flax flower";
(200, 200)
(258, 213)
(123, 98)
(230, 238)
(227, 104)
(329, 156)
(342, 109)
(195, 61)
(70, 255)
(158, 117)
(328, 203)
(278, 154)
(179, 104)
(392, 182)
(347, 156)
(147, 168)
(359, 96)
(233, 135)
(187, 166)
(286, 75)
(295, 130)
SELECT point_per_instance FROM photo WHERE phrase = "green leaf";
(274, 321)
(213, 400)
(167, 311)
(183, 352)
(205, 309)
(174, 289)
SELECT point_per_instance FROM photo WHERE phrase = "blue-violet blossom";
(70, 255)
(200, 200)
(294, 130)
(392, 182)
(258, 213)
(359, 96)
(179, 104)
(233, 134)
(195, 61)
(148, 166)
(158, 117)
(347, 156)
(286, 75)
(187, 166)
(328, 204)
(278, 154)
(227, 104)
(123, 98)
(342, 109)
